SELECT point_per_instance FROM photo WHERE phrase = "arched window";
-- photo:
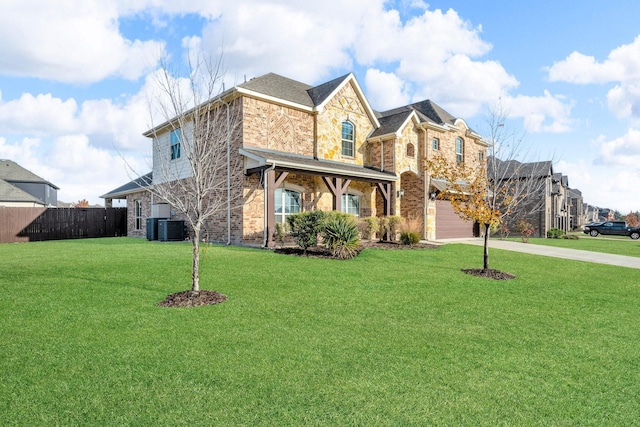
(351, 204)
(459, 150)
(411, 150)
(348, 139)
(287, 202)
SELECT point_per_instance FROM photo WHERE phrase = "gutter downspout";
(426, 186)
(228, 178)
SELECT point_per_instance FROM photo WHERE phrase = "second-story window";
(175, 143)
(459, 150)
(481, 155)
(348, 140)
(435, 143)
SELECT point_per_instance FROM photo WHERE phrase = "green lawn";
(390, 338)
(617, 245)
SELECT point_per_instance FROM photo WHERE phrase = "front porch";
(297, 183)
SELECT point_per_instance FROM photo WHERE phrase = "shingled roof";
(280, 87)
(11, 193)
(130, 187)
(10, 171)
(391, 123)
(514, 168)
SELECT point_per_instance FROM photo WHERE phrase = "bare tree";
(194, 166)
(504, 186)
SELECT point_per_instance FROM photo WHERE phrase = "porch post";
(386, 192)
(271, 183)
(337, 188)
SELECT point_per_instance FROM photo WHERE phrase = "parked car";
(614, 228)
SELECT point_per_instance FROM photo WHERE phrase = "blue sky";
(75, 76)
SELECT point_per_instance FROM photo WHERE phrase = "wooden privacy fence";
(36, 224)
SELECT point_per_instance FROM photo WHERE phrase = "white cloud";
(385, 90)
(622, 66)
(623, 151)
(73, 164)
(547, 113)
(71, 41)
(601, 186)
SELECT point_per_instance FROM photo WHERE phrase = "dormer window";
(348, 140)
(459, 150)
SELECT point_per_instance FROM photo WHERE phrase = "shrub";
(383, 227)
(369, 226)
(389, 227)
(504, 231)
(340, 234)
(525, 229)
(410, 230)
(409, 237)
(555, 233)
(304, 228)
(280, 233)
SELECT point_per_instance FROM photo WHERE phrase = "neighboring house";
(324, 147)
(21, 187)
(578, 216)
(537, 207)
(560, 203)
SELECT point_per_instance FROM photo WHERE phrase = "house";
(577, 214)
(536, 184)
(322, 147)
(20, 187)
(560, 203)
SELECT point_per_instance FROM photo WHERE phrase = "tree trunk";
(487, 230)
(195, 273)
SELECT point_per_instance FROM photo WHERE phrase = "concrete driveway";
(574, 254)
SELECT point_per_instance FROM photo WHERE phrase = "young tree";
(81, 204)
(495, 190)
(194, 168)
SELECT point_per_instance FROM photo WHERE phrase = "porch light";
(400, 193)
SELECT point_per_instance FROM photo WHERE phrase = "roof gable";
(327, 91)
(395, 123)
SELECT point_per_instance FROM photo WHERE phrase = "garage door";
(448, 223)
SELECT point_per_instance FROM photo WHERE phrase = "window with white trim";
(435, 143)
(348, 139)
(459, 150)
(287, 202)
(351, 204)
(138, 214)
(175, 136)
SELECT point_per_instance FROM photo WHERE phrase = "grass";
(389, 338)
(617, 245)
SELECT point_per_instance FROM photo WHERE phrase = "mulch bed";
(321, 252)
(489, 274)
(192, 299)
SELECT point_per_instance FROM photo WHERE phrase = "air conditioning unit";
(152, 228)
(170, 230)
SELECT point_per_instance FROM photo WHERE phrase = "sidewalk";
(574, 254)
